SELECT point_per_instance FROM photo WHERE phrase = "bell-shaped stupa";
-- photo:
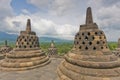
(90, 58)
(52, 50)
(5, 49)
(27, 54)
(117, 50)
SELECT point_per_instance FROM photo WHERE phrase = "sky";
(59, 18)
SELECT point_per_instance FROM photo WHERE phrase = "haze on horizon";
(59, 18)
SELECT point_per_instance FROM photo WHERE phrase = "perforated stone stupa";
(27, 54)
(90, 58)
(52, 50)
(5, 49)
(117, 50)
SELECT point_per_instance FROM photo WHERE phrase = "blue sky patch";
(19, 5)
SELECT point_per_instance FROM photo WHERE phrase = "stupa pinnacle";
(28, 26)
(89, 19)
(90, 58)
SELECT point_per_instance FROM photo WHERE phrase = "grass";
(112, 45)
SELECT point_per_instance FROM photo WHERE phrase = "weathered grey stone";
(90, 58)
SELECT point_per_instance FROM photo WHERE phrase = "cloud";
(5, 8)
(61, 18)
(11, 23)
(40, 3)
(42, 27)
(107, 16)
(58, 7)
(25, 11)
(110, 2)
(61, 7)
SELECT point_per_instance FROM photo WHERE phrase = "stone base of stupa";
(25, 59)
(89, 66)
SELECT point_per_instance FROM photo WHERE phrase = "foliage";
(62, 47)
(11, 44)
(112, 45)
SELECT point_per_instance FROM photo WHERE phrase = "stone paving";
(47, 72)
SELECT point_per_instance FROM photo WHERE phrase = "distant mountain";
(48, 39)
(12, 38)
(6, 36)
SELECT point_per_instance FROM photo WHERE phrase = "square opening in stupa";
(90, 58)
(27, 54)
